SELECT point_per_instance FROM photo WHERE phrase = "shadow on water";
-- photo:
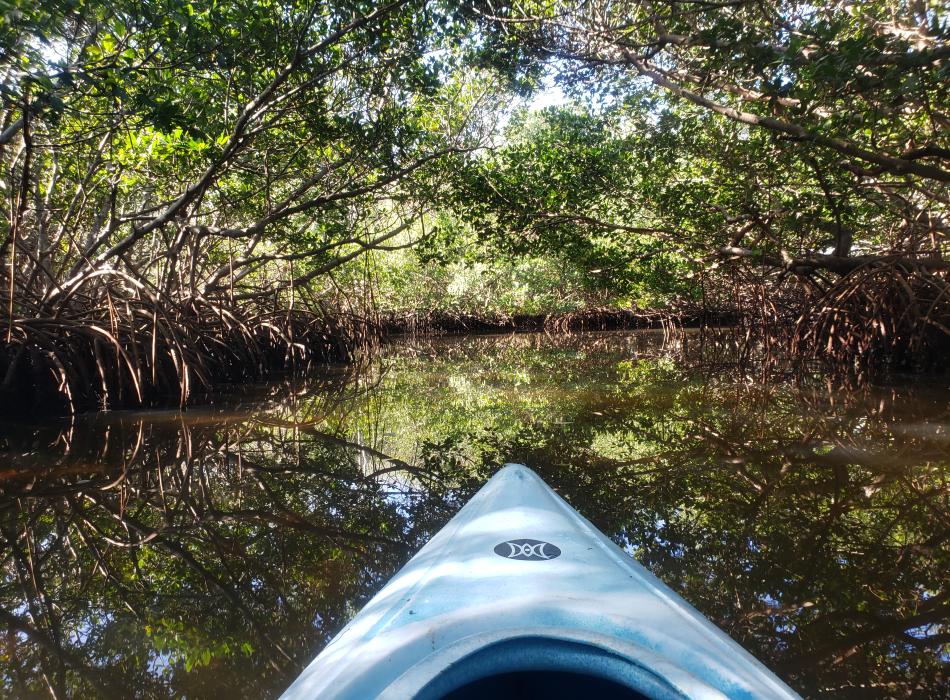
(214, 552)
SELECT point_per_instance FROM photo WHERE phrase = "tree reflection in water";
(214, 552)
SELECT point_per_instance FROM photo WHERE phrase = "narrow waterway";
(211, 553)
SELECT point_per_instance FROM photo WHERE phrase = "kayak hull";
(519, 583)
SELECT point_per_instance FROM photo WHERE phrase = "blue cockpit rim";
(545, 654)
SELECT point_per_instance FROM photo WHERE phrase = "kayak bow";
(519, 596)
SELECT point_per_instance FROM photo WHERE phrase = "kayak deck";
(520, 596)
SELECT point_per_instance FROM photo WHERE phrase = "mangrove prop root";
(138, 353)
(893, 316)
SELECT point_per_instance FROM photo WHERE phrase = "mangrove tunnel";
(282, 282)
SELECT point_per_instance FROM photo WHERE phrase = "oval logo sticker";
(527, 550)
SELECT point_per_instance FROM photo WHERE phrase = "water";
(212, 553)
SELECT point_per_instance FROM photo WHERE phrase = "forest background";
(193, 192)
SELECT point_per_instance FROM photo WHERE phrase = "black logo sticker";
(527, 550)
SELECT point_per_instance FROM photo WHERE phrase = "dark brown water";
(212, 553)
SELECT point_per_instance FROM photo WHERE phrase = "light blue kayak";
(519, 596)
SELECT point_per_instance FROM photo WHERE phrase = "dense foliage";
(191, 188)
(809, 143)
(569, 184)
(181, 176)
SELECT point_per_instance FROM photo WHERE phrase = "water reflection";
(214, 552)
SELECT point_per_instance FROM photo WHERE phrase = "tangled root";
(891, 316)
(133, 354)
